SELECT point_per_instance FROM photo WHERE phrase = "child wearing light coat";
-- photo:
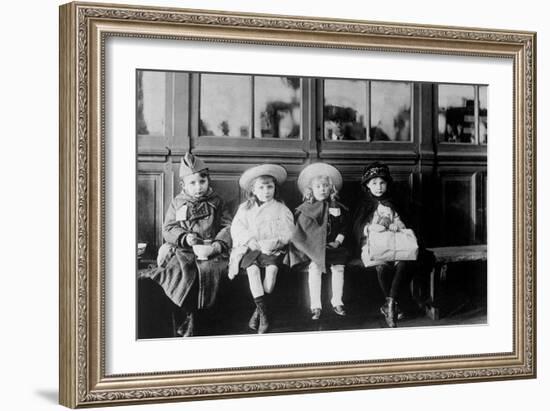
(260, 231)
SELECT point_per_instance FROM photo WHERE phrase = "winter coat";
(207, 217)
(269, 221)
(178, 269)
(312, 233)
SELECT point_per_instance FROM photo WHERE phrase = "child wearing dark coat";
(378, 213)
(321, 227)
(194, 256)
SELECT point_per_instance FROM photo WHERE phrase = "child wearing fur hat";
(260, 231)
(377, 213)
(321, 226)
(196, 216)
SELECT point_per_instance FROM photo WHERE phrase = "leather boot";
(254, 320)
(389, 311)
(187, 327)
(261, 305)
(190, 325)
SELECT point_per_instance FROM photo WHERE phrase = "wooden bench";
(427, 288)
(443, 257)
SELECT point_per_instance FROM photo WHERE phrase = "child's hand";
(253, 244)
(394, 227)
(377, 228)
(231, 275)
(193, 239)
(216, 249)
(385, 221)
(333, 244)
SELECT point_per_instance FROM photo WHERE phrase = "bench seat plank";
(460, 253)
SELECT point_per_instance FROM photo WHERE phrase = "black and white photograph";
(292, 204)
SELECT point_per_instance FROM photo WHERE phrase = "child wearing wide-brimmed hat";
(377, 213)
(321, 228)
(261, 231)
(197, 217)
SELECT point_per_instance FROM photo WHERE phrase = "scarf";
(200, 207)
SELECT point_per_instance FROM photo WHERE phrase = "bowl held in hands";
(202, 251)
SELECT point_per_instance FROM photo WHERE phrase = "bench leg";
(418, 292)
(437, 276)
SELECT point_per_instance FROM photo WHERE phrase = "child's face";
(377, 186)
(264, 189)
(320, 187)
(195, 185)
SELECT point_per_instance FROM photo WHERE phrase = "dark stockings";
(390, 276)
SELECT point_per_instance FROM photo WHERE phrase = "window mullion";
(253, 107)
(194, 109)
(368, 113)
(476, 114)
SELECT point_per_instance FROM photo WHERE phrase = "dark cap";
(374, 170)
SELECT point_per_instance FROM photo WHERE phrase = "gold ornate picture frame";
(85, 29)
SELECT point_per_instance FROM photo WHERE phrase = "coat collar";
(199, 207)
(316, 210)
(264, 206)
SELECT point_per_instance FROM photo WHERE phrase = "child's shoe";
(339, 310)
(315, 314)
(187, 328)
(263, 320)
(254, 320)
(389, 311)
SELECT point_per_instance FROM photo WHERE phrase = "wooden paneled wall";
(446, 206)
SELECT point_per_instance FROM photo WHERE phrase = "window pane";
(483, 114)
(225, 105)
(151, 98)
(456, 114)
(345, 110)
(390, 111)
(277, 107)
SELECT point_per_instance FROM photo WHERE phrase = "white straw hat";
(273, 170)
(316, 170)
